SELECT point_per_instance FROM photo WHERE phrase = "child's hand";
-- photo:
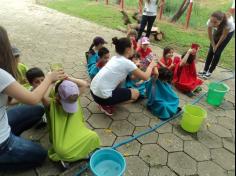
(56, 75)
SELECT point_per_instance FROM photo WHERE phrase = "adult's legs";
(23, 117)
(219, 51)
(20, 154)
(209, 58)
(144, 22)
(151, 20)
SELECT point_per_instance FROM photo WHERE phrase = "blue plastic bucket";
(107, 162)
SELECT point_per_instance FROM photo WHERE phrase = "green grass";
(175, 35)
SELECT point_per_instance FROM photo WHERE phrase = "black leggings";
(146, 20)
(213, 58)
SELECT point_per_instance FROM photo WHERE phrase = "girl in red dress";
(167, 59)
(185, 75)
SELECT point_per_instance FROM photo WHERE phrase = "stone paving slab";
(46, 36)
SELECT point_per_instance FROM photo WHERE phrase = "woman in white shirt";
(221, 29)
(148, 17)
(16, 152)
(105, 85)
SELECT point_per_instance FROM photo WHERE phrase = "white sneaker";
(207, 75)
(201, 73)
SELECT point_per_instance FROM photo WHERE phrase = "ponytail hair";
(121, 44)
(220, 16)
(91, 47)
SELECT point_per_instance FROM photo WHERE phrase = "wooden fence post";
(189, 14)
(161, 9)
(122, 4)
(106, 2)
(140, 6)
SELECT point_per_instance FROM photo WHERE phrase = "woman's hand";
(56, 75)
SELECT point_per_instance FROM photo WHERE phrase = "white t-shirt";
(111, 75)
(5, 80)
(150, 9)
(230, 24)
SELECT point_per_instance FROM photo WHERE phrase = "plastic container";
(107, 162)
(216, 93)
(193, 117)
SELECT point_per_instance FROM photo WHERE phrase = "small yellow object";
(208, 125)
(108, 130)
(56, 66)
(126, 154)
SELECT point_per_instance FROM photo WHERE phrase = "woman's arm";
(184, 60)
(17, 91)
(145, 75)
(210, 36)
(222, 38)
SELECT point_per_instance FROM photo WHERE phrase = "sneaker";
(207, 75)
(197, 90)
(108, 110)
(64, 165)
(201, 73)
(190, 94)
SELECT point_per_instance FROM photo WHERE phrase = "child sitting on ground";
(71, 140)
(144, 50)
(35, 77)
(92, 55)
(185, 75)
(166, 60)
(162, 100)
(133, 82)
(133, 34)
(104, 56)
(21, 68)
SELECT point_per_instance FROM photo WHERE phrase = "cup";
(56, 66)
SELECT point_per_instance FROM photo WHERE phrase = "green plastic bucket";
(193, 117)
(216, 93)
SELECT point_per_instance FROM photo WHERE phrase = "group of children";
(63, 111)
(170, 71)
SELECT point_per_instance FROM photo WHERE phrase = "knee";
(38, 109)
(135, 94)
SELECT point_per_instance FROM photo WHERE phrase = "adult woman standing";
(105, 85)
(221, 29)
(16, 152)
(148, 17)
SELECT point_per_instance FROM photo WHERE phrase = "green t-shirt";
(22, 69)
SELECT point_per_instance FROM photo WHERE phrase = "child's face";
(37, 81)
(106, 58)
(100, 46)
(145, 46)
(170, 54)
(17, 58)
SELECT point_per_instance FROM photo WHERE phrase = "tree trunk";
(181, 10)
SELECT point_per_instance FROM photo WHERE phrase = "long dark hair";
(165, 75)
(148, 1)
(166, 50)
(121, 44)
(220, 16)
(7, 60)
